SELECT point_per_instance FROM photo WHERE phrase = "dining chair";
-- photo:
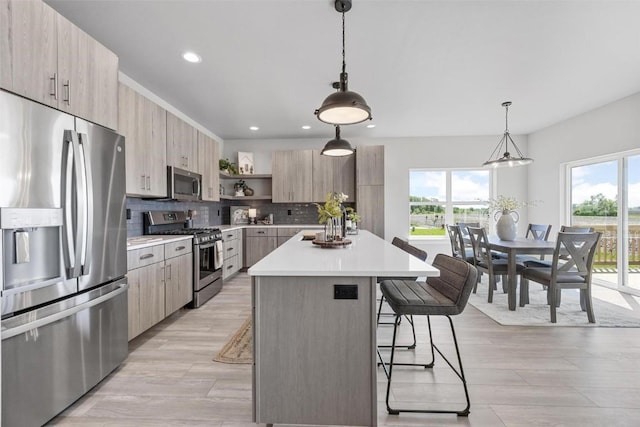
(570, 229)
(538, 231)
(485, 262)
(458, 247)
(463, 228)
(572, 273)
(446, 295)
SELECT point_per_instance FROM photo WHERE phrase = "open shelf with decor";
(259, 183)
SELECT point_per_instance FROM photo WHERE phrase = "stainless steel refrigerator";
(63, 246)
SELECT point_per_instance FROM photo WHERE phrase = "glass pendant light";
(343, 107)
(503, 147)
(337, 147)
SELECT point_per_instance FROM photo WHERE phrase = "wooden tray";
(334, 244)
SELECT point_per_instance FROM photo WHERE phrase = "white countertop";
(241, 226)
(368, 255)
(145, 241)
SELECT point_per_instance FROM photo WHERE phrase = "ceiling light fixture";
(254, 128)
(337, 147)
(503, 147)
(191, 57)
(306, 127)
(343, 107)
(371, 126)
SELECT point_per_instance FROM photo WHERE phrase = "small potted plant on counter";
(352, 220)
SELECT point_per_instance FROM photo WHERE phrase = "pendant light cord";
(344, 65)
(506, 119)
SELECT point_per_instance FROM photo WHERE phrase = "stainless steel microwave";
(183, 184)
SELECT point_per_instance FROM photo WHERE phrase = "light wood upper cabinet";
(370, 206)
(208, 156)
(370, 165)
(44, 57)
(182, 144)
(292, 176)
(333, 174)
(29, 50)
(143, 123)
(370, 188)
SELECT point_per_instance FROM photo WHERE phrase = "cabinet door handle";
(229, 249)
(148, 182)
(169, 269)
(146, 256)
(67, 85)
(181, 248)
(229, 267)
(143, 178)
(229, 236)
(54, 80)
(260, 232)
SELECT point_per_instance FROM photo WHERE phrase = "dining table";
(518, 246)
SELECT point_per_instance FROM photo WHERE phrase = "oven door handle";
(207, 246)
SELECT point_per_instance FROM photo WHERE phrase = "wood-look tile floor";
(518, 376)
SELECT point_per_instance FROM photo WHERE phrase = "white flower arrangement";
(502, 203)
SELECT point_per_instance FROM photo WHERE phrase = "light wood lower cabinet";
(160, 282)
(232, 247)
(259, 242)
(146, 297)
(178, 275)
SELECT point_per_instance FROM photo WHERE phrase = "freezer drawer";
(54, 355)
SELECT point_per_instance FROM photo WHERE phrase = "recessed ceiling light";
(371, 126)
(306, 127)
(254, 128)
(192, 57)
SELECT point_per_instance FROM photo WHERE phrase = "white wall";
(402, 154)
(612, 128)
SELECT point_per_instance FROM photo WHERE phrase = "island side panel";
(314, 356)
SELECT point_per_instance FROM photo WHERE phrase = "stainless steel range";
(207, 251)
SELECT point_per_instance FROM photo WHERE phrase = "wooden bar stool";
(446, 295)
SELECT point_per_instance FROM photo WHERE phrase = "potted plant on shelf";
(227, 167)
(239, 188)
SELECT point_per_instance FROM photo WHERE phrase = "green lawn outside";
(419, 231)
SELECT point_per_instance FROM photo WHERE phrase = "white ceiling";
(426, 68)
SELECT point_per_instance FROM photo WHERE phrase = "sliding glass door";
(605, 196)
(632, 236)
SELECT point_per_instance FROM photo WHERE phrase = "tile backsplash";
(217, 213)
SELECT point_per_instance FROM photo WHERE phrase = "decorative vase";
(506, 226)
(333, 229)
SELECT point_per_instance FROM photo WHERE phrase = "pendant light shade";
(343, 107)
(337, 147)
(507, 159)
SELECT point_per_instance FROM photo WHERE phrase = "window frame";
(448, 203)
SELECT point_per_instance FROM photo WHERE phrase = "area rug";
(239, 349)
(611, 307)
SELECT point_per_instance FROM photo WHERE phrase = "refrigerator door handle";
(72, 221)
(87, 232)
(26, 327)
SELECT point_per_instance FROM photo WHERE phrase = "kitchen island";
(314, 317)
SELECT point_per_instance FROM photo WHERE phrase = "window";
(439, 197)
(605, 194)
